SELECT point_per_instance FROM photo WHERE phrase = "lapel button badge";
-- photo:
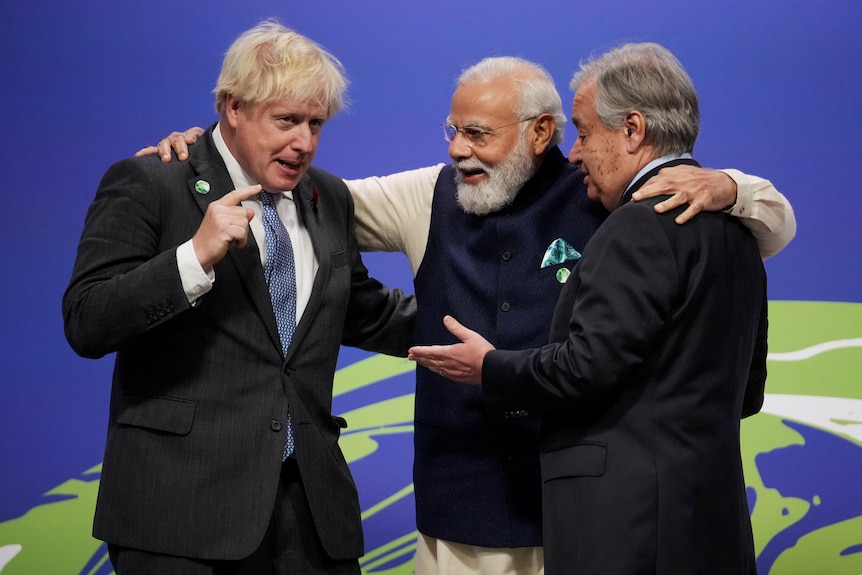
(563, 275)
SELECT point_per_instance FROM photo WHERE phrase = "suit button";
(505, 306)
(507, 256)
(275, 425)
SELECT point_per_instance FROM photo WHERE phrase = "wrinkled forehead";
(486, 104)
(287, 103)
(584, 103)
(290, 106)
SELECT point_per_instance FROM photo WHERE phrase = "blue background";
(87, 83)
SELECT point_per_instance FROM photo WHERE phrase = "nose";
(459, 147)
(575, 153)
(303, 138)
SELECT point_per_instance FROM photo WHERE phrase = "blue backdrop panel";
(87, 83)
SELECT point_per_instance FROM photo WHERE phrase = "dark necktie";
(280, 273)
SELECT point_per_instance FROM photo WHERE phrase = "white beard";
(503, 183)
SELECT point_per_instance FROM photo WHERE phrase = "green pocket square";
(559, 252)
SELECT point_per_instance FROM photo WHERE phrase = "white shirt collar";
(654, 163)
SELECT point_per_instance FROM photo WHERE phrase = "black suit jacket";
(659, 348)
(200, 394)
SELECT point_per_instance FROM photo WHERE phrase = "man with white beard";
(491, 238)
(499, 256)
(504, 180)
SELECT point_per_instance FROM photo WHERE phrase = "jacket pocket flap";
(581, 460)
(161, 413)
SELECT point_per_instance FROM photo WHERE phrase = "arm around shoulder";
(764, 211)
(393, 213)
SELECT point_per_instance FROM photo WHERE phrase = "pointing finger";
(235, 197)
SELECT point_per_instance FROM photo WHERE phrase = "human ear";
(231, 109)
(542, 132)
(634, 126)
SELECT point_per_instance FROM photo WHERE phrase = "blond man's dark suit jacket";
(200, 393)
(659, 350)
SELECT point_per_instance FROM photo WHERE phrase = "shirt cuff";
(196, 281)
(743, 206)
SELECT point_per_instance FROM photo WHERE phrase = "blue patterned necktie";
(280, 274)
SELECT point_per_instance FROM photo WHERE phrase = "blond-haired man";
(222, 453)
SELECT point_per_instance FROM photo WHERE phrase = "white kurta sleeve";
(764, 211)
(393, 213)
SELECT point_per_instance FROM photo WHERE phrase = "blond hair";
(272, 62)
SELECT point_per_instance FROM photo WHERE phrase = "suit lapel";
(210, 183)
(310, 212)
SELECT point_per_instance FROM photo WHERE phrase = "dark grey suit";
(200, 393)
(659, 350)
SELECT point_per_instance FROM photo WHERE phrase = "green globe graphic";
(803, 452)
(802, 457)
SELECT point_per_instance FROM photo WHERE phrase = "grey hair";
(536, 90)
(646, 77)
(271, 62)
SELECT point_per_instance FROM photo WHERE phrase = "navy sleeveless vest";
(476, 472)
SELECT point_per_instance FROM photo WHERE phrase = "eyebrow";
(473, 124)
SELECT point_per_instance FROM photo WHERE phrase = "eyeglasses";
(475, 135)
